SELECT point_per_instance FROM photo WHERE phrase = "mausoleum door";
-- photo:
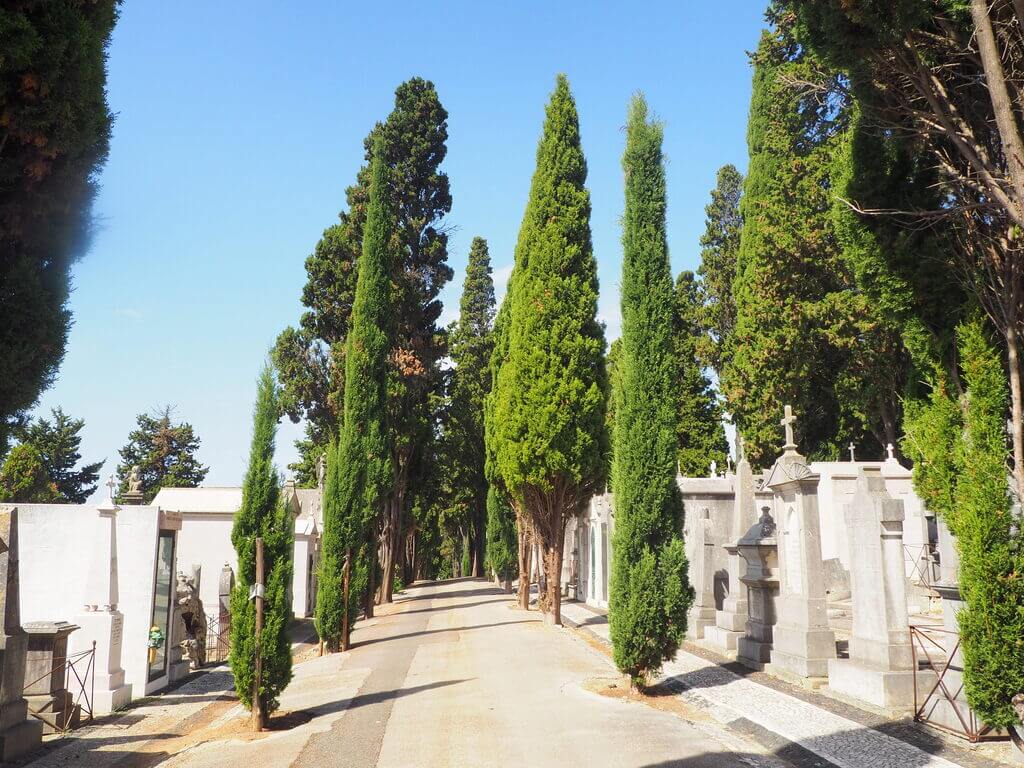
(162, 603)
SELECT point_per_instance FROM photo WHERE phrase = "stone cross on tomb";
(110, 487)
(851, 446)
(890, 451)
(788, 421)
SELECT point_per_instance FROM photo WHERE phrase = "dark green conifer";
(700, 432)
(360, 474)
(549, 413)
(263, 514)
(650, 592)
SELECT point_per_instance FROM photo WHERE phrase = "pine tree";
(58, 442)
(164, 452)
(720, 245)
(23, 477)
(550, 409)
(471, 346)
(650, 592)
(700, 432)
(360, 474)
(263, 514)
(56, 134)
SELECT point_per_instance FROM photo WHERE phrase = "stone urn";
(760, 550)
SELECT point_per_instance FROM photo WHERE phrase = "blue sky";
(239, 125)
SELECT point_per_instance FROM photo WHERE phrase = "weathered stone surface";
(803, 643)
(880, 666)
(702, 576)
(18, 735)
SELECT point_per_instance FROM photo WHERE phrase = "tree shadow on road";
(421, 633)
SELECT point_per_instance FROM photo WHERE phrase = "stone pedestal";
(803, 643)
(731, 620)
(100, 621)
(18, 734)
(880, 668)
(46, 675)
(702, 577)
(759, 550)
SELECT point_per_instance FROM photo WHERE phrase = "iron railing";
(923, 559)
(218, 641)
(80, 681)
(932, 657)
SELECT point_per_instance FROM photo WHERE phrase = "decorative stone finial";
(714, 468)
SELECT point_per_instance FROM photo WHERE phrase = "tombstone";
(18, 734)
(702, 577)
(880, 668)
(192, 617)
(758, 548)
(731, 621)
(802, 641)
(101, 622)
(45, 675)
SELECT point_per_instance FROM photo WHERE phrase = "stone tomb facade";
(207, 516)
(109, 570)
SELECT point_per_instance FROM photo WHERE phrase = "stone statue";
(193, 617)
(134, 481)
(321, 471)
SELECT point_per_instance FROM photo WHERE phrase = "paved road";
(456, 677)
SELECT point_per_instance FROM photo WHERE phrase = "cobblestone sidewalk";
(796, 725)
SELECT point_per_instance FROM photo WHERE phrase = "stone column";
(730, 622)
(702, 577)
(100, 620)
(880, 668)
(18, 734)
(803, 643)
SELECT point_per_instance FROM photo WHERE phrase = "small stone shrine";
(760, 552)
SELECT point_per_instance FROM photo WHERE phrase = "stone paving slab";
(150, 720)
(731, 699)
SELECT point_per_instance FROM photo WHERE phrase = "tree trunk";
(1002, 104)
(346, 580)
(525, 562)
(480, 540)
(553, 582)
(1016, 406)
(371, 581)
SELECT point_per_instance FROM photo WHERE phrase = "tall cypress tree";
(362, 462)
(549, 420)
(471, 347)
(719, 247)
(700, 433)
(650, 592)
(792, 285)
(263, 514)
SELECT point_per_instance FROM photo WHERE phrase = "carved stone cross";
(788, 421)
(851, 446)
(890, 451)
(110, 486)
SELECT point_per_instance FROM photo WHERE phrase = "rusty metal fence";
(79, 672)
(944, 706)
(218, 641)
(923, 560)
